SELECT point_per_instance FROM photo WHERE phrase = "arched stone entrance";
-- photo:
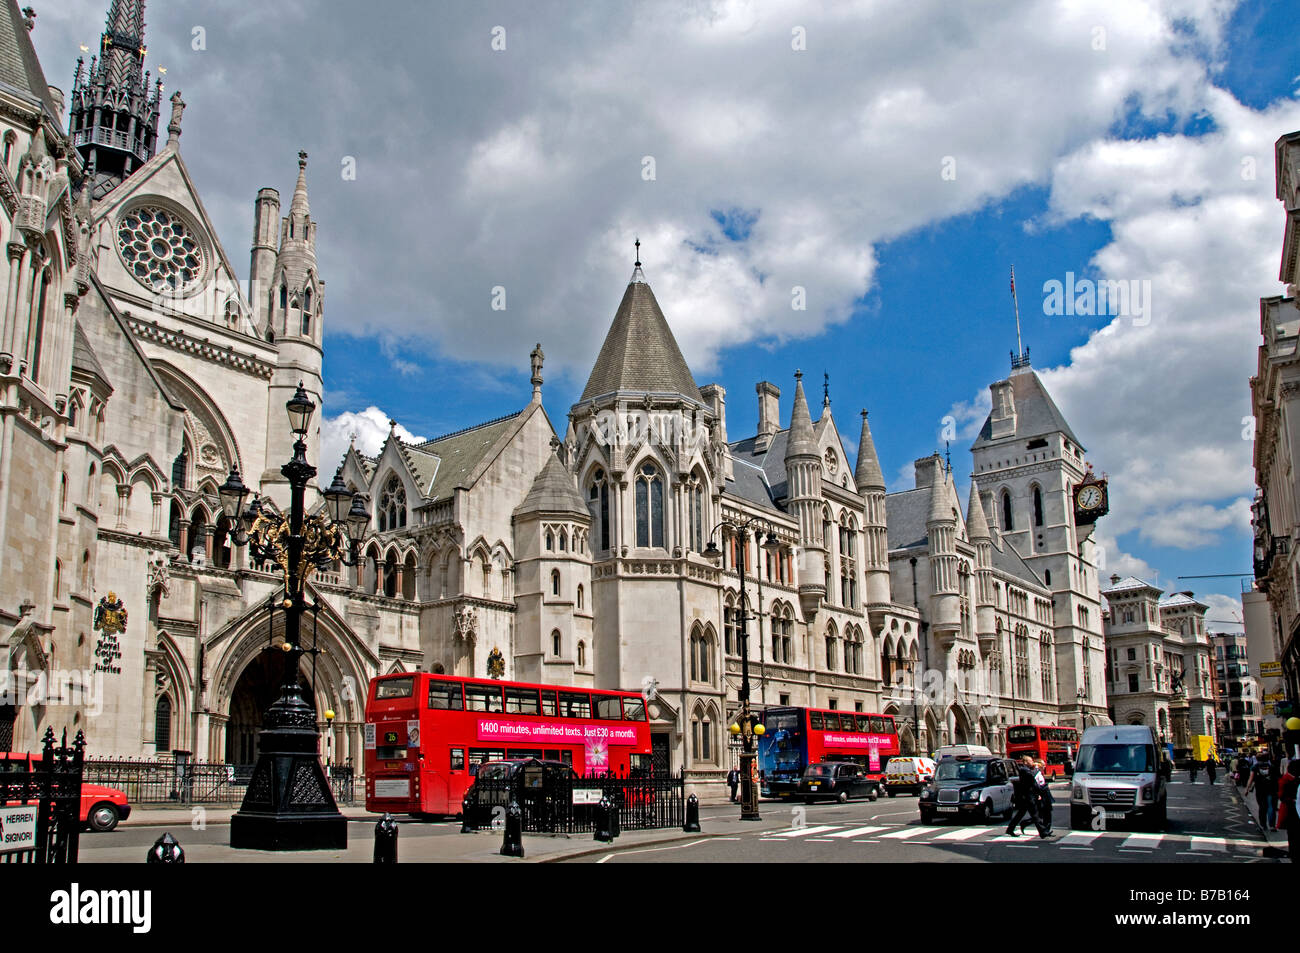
(258, 687)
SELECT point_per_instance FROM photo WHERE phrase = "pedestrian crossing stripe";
(828, 833)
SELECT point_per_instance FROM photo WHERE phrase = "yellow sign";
(1275, 697)
(1273, 669)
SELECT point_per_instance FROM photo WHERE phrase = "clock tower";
(1040, 496)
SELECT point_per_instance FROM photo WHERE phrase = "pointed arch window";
(649, 507)
(1038, 506)
(162, 724)
(556, 646)
(598, 503)
(580, 597)
(697, 511)
(284, 296)
(37, 336)
(392, 505)
(582, 655)
(1006, 511)
(555, 582)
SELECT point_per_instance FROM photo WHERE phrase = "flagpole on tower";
(1021, 358)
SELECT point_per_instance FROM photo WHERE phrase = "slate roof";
(771, 463)
(1036, 413)
(640, 353)
(457, 454)
(1009, 561)
(1129, 583)
(553, 491)
(1180, 600)
(83, 355)
(19, 67)
(905, 516)
(750, 484)
(868, 474)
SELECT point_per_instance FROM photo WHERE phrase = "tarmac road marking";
(651, 850)
(805, 831)
(1209, 844)
(1142, 842)
(907, 832)
(963, 833)
(859, 831)
(1080, 838)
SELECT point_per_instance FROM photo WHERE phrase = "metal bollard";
(465, 826)
(512, 845)
(602, 821)
(692, 825)
(165, 850)
(386, 840)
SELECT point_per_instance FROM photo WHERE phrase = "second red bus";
(1051, 743)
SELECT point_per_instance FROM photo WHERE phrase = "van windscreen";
(1130, 759)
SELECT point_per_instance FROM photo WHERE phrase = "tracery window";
(649, 507)
(392, 505)
(598, 503)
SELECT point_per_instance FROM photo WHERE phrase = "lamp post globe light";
(288, 805)
(747, 724)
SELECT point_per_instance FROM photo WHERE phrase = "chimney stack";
(769, 414)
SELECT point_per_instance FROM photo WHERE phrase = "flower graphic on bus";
(597, 755)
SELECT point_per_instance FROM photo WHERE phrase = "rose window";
(159, 249)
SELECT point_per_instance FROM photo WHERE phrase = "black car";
(837, 781)
(541, 788)
(975, 788)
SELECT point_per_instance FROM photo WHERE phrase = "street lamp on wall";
(288, 805)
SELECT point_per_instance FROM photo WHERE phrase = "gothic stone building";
(138, 369)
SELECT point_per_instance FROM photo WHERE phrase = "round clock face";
(160, 249)
(1090, 497)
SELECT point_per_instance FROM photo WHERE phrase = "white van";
(1119, 775)
(907, 775)
(962, 751)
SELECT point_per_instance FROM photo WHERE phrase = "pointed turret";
(803, 441)
(941, 527)
(113, 112)
(871, 487)
(803, 474)
(977, 524)
(296, 304)
(977, 531)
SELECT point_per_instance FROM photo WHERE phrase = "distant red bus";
(1052, 744)
(426, 734)
(797, 737)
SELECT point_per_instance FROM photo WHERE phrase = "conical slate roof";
(640, 353)
(940, 499)
(977, 527)
(1036, 413)
(554, 491)
(868, 475)
(802, 441)
(19, 67)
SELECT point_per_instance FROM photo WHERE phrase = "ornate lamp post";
(288, 805)
(747, 724)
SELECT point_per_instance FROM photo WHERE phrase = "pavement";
(1207, 824)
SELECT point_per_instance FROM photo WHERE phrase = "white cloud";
(1192, 526)
(370, 428)
(1224, 614)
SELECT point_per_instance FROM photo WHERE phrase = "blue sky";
(1104, 138)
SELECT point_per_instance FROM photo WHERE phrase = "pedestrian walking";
(1243, 771)
(1211, 771)
(1025, 798)
(733, 781)
(1263, 781)
(1288, 808)
(1192, 765)
(1044, 792)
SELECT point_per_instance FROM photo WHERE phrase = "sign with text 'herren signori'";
(17, 829)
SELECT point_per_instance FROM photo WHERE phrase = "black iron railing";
(194, 782)
(555, 804)
(42, 801)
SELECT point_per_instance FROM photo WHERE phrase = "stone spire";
(803, 475)
(977, 525)
(977, 531)
(871, 487)
(868, 474)
(802, 441)
(298, 205)
(113, 111)
(941, 527)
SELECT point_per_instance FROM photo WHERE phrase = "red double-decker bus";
(1053, 744)
(797, 737)
(426, 734)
